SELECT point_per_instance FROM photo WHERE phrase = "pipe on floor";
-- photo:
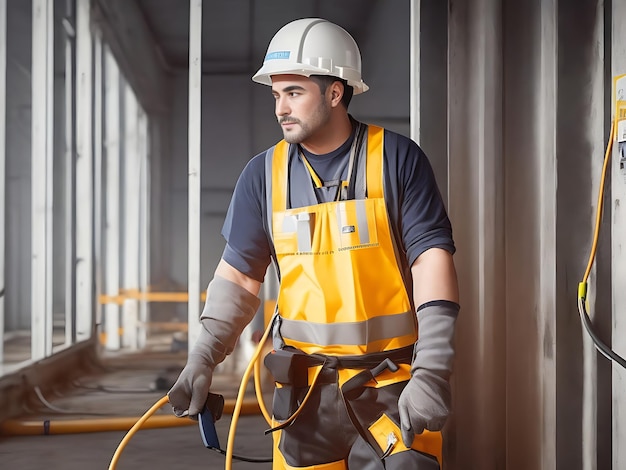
(26, 427)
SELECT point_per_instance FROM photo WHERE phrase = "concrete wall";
(528, 120)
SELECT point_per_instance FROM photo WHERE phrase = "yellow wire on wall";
(600, 206)
(605, 350)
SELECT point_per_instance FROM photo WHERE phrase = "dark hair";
(324, 81)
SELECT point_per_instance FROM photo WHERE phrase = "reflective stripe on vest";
(341, 290)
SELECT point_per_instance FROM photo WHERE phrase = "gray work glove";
(425, 401)
(228, 309)
(188, 394)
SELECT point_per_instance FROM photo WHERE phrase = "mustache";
(287, 119)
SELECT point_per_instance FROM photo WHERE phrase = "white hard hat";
(313, 46)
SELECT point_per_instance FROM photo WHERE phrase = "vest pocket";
(387, 435)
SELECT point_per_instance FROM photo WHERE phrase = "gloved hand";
(228, 309)
(188, 394)
(425, 401)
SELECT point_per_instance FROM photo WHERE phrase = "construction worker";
(355, 223)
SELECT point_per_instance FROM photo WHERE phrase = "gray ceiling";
(235, 33)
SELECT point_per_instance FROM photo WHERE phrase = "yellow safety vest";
(341, 290)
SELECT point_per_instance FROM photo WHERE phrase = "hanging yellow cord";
(582, 287)
(240, 395)
(134, 429)
(259, 392)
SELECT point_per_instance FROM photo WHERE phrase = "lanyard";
(342, 186)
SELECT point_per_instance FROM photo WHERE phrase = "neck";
(331, 136)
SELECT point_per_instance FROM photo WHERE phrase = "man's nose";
(282, 109)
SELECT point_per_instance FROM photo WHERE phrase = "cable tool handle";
(211, 412)
(355, 386)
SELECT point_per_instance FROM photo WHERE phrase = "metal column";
(112, 191)
(195, 138)
(98, 143)
(415, 70)
(84, 174)
(3, 186)
(69, 24)
(130, 243)
(144, 225)
(429, 85)
(41, 182)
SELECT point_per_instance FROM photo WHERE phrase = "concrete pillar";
(475, 186)
(527, 124)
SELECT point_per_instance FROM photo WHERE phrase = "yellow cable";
(236, 411)
(240, 395)
(582, 289)
(582, 286)
(259, 392)
(134, 429)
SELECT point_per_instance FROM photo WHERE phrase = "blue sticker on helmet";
(277, 55)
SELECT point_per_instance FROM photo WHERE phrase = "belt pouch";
(290, 371)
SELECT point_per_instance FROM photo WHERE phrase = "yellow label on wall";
(619, 95)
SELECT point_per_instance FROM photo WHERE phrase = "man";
(352, 216)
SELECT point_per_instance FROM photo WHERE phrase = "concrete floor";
(156, 449)
(127, 386)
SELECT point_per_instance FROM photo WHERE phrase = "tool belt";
(290, 369)
(373, 411)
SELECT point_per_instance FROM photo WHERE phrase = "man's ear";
(336, 93)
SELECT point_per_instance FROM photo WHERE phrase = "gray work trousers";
(331, 429)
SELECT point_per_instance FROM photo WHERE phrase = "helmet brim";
(265, 73)
(278, 67)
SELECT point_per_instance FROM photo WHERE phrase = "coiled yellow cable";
(254, 362)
